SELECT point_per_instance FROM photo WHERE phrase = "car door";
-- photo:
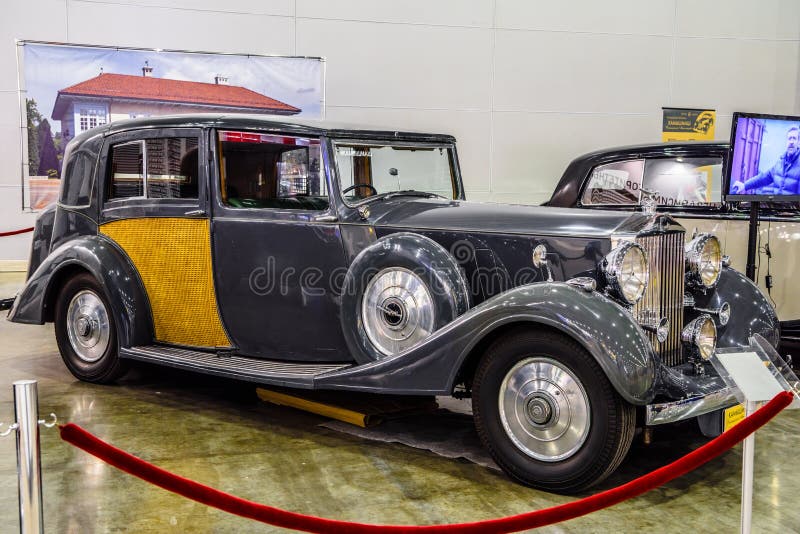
(278, 254)
(154, 208)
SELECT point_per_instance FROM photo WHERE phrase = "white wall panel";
(553, 80)
(653, 17)
(786, 89)
(259, 7)
(156, 27)
(531, 150)
(734, 75)
(9, 109)
(42, 20)
(470, 128)
(10, 160)
(589, 72)
(722, 129)
(740, 19)
(440, 12)
(400, 65)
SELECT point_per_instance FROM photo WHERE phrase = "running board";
(280, 373)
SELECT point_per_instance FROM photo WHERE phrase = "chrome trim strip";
(671, 412)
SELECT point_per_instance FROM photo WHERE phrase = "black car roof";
(269, 124)
(655, 149)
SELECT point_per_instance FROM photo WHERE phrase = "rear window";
(78, 179)
(154, 168)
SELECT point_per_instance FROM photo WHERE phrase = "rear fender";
(102, 259)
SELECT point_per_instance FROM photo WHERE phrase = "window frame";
(221, 208)
(633, 205)
(126, 207)
(681, 207)
(455, 176)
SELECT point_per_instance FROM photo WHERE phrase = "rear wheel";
(86, 332)
(547, 412)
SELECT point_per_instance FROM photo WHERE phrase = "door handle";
(194, 213)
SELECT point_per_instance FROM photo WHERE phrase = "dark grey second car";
(318, 257)
(685, 180)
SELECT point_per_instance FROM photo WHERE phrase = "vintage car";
(685, 180)
(313, 256)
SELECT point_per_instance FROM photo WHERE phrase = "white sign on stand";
(757, 374)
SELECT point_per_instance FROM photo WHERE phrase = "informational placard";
(756, 373)
(751, 375)
(687, 124)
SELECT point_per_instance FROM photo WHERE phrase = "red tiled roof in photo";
(163, 90)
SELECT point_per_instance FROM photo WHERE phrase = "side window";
(165, 167)
(684, 181)
(79, 175)
(617, 183)
(271, 171)
(172, 167)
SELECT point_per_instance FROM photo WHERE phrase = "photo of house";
(109, 96)
(69, 89)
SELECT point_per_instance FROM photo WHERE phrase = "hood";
(459, 215)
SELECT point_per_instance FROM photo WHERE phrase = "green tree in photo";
(34, 118)
(48, 156)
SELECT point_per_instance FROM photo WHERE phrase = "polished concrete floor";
(218, 433)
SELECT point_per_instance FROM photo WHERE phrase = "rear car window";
(80, 168)
(618, 183)
(154, 168)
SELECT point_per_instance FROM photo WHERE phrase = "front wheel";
(548, 414)
(86, 333)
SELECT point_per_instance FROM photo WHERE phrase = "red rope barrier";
(15, 232)
(267, 514)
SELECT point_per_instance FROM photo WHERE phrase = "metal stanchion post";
(748, 459)
(29, 469)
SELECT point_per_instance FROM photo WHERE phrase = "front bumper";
(671, 412)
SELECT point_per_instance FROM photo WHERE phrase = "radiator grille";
(664, 294)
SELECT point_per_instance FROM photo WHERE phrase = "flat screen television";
(764, 159)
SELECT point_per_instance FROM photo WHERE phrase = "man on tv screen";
(783, 178)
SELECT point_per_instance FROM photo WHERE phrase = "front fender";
(751, 311)
(607, 331)
(112, 270)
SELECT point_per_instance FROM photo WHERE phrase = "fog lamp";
(701, 333)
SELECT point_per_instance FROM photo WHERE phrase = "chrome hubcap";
(397, 310)
(88, 326)
(544, 409)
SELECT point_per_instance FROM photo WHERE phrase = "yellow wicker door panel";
(173, 257)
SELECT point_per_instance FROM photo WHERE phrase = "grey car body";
(304, 333)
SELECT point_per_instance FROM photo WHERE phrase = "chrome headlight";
(704, 260)
(701, 333)
(627, 272)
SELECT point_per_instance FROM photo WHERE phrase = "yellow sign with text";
(682, 124)
(732, 417)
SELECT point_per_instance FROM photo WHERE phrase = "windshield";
(378, 170)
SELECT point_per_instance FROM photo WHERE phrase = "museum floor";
(219, 433)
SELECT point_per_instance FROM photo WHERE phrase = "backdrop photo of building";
(108, 97)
